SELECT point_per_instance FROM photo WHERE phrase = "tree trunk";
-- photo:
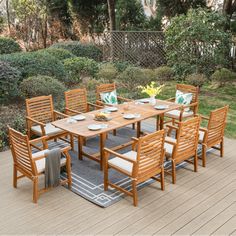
(8, 15)
(112, 14)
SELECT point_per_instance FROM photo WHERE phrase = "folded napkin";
(52, 167)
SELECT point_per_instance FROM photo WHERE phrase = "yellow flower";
(152, 89)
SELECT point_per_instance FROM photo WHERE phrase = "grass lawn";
(210, 99)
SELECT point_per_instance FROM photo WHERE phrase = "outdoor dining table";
(141, 110)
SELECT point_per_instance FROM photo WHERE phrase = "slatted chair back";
(103, 88)
(185, 88)
(187, 139)
(21, 152)
(40, 108)
(216, 125)
(76, 99)
(150, 155)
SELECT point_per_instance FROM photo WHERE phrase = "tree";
(112, 15)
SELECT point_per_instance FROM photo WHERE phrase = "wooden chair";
(143, 162)
(185, 145)
(103, 88)
(214, 133)
(40, 114)
(76, 102)
(32, 165)
(181, 113)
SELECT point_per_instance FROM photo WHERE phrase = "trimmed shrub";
(164, 73)
(223, 76)
(81, 50)
(58, 53)
(121, 65)
(196, 79)
(9, 78)
(8, 45)
(41, 85)
(78, 68)
(36, 63)
(107, 72)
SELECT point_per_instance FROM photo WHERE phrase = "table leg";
(102, 145)
(161, 121)
(157, 122)
(80, 147)
(138, 129)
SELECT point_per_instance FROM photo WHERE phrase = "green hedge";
(58, 53)
(8, 45)
(36, 63)
(9, 78)
(81, 50)
(41, 85)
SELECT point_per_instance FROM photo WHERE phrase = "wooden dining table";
(141, 111)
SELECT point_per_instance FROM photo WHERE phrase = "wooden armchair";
(185, 145)
(214, 133)
(143, 162)
(181, 113)
(40, 114)
(32, 165)
(76, 102)
(104, 88)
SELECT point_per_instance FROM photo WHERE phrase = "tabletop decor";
(152, 90)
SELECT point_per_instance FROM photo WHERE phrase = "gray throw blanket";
(52, 167)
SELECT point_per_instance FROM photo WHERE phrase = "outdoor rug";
(87, 178)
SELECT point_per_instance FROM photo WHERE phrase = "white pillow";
(183, 98)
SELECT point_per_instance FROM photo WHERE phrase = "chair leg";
(173, 172)
(68, 170)
(135, 193)
(133, 126)
(195, 162)
(162, 179)
(14, 177)
(35, 189)
(55, 139)
(114, 132)
(222, 148)
(204, 155)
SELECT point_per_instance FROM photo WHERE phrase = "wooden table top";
(80, 128)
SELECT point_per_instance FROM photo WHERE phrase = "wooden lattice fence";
(137, 47)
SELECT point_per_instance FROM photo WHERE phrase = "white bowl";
(161, 107)
(94, 127)
(112, 109)
(144, 100)
(79, 117)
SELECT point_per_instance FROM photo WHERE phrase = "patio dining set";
(176, 138)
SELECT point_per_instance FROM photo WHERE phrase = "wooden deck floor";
(200, 203)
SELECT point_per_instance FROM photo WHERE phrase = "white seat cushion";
(123, 164)
(49, 129)
(169, 147)
(201, 135)
(176, 114)
(40, 164)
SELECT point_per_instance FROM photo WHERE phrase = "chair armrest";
(100, 103)
(118, 155)
(172, 127)
(203, 130)
(36, 140)
(134, 144)
(190, 105)
(124, 99)
(204, 117)
(94, 105)
(35, 121)
(58, 114)
(171, 99)
(71, 110)
(170, 142)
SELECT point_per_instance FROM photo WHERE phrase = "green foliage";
(9, 78)
(223, 76)
(8, 45)
(197, 42)
(58, 53)
(164, 73)
(41, 85)
(78, 68)
(172, 8)
(80, 50)
(129, 15)
(107, 72)
(121, 65)
(36, 63)
(196, 79)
